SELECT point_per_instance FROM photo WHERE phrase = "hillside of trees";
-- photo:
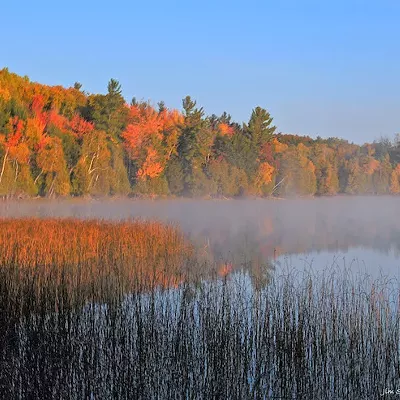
(57, 141)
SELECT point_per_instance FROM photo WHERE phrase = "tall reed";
(298, 336)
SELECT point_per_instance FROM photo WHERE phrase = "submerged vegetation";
(57, 141)
(87, 310)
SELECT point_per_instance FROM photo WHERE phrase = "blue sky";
(328, 68)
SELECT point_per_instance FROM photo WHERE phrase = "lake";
(361, 232)
(305, 305)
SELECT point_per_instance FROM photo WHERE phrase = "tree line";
(57, 141)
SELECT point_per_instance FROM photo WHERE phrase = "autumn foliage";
(57, 141)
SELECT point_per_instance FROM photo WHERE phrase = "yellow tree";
(381, 176)
(394, 180)
(394, 183)
(326, 171)
(171, 124)
(93, 171)
(51, 161)
(297, 172)
(263, 177)
(278, 146)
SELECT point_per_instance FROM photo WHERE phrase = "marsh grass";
(300, 336)
(73, 254)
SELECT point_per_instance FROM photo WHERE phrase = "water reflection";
(248, 334)
(219, 339)
(250, 234)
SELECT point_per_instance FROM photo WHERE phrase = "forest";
(58, 142)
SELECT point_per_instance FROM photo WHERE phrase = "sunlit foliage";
(63, 141)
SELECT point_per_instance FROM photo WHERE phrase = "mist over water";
(266, 330)
(358, 232)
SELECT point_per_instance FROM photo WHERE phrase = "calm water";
(361, 232)
(359, 260)
(247, 336)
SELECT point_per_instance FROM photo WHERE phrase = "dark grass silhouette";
(67, 333)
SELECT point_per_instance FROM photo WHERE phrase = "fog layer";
(286, 226)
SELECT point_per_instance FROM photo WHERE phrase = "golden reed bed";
(92, 252)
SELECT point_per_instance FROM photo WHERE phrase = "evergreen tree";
(108, 112)
(260, 128)
(188, 146)
(175, 176)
